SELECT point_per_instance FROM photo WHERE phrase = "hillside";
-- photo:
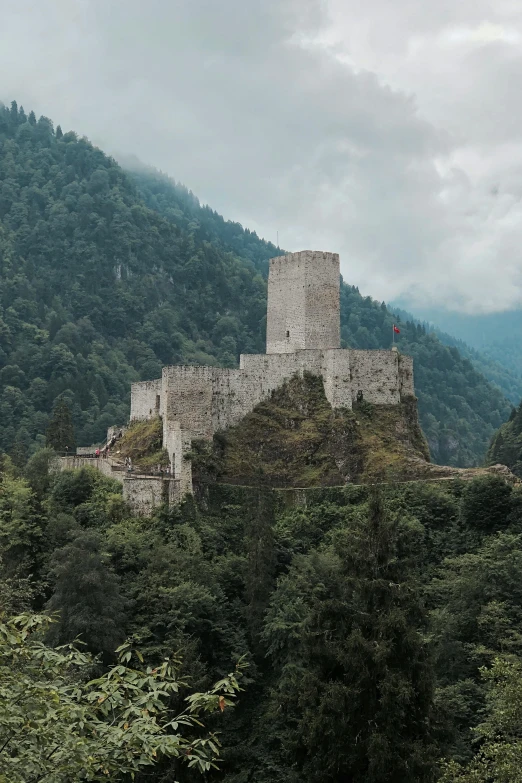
(296, 439)
(506, 444)
(363, 615)
(106, 276)
(495, 335)
(496, 370)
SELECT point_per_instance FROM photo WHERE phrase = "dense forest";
(495, 335)
(506, 445)
(378, 634)
(106, 276)
(509, 381)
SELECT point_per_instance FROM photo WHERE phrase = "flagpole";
(393, 334)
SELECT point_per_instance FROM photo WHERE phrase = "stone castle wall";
(146, 493)
(145, 399)
(187, 394)
(375, 374)
(322, 301)
(407, 388)
(203, 400)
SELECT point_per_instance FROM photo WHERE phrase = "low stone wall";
(76, 461)
(144, 494)
(145, 399)
(86, 451)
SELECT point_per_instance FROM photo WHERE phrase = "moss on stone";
(296, 439)
(142, 442)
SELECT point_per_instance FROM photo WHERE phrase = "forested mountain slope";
(495, 335)
(106, 276)
(509, 381)
(506, 444)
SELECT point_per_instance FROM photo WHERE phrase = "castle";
(303, 335)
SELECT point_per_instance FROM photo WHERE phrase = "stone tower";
(303, 302)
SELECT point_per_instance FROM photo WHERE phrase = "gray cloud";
(389, 132)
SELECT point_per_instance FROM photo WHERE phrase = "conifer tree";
(354, 696)
(87, 596)
(260, 572)
(60, 433)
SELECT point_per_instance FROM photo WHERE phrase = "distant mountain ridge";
(496, 336)
(508, 381)
(107, 275)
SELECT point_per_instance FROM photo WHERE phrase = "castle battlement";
(303, 335)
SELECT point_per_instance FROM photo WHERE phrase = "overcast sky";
(390, 132)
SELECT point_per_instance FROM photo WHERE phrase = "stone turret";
(303, 302)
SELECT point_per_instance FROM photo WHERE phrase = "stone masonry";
(303, 335)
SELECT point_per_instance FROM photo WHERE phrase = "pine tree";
(87, 596)
(260, 572)
(60, 433)
(353, 700)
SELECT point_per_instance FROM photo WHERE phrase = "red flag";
(396, 330)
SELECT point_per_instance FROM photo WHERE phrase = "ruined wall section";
(229, 398)
(376, 375)
(178, 443)
(145, 494)
(336, 368)
(145, 399)
(407, 388)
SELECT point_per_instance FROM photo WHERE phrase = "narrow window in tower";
(287, 333)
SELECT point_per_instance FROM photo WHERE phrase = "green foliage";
(506, 444)
(57, 726)
(353, 698)
(499, 759)
(20, 529)
(86, 596)
(486, 504)
(38, 471)
(60, 432)
(365, 622)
